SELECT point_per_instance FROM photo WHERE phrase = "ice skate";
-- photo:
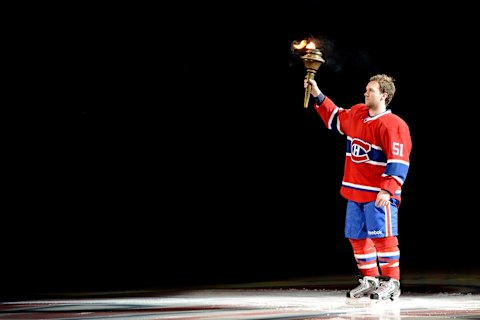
(361, 294)
(388, 290)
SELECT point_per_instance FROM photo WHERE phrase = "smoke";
(341, 53)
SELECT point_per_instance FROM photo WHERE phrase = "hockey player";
(376, 165)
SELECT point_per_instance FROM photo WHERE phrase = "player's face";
(373, 96)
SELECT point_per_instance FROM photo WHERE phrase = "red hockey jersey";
(378, 150)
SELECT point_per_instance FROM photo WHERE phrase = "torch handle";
(308, 89)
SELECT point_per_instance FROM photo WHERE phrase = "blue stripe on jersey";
(334, 123)
(397, 169)
(374, 154)
(377, 155)
(360, 188)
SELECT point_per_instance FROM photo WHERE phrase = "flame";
(311, 45)
(299, 45)
(303, 45)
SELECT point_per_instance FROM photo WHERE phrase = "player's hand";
(315, 91)
(383, 199)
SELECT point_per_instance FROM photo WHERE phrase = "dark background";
(153, 147)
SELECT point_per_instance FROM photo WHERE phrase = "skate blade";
(367, 302)
(359, 302)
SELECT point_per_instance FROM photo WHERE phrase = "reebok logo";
(375, 233)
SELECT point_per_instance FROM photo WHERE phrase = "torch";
(312, 60)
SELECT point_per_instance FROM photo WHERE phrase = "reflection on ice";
(259, 304)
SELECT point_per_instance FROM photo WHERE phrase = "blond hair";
(386, 86)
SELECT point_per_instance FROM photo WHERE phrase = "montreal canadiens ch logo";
(359, 150)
